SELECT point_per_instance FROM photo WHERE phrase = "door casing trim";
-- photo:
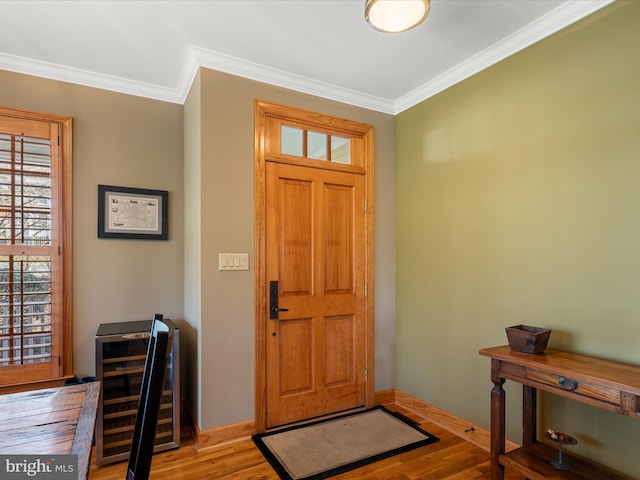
(261, 110)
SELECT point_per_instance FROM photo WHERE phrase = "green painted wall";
(518, 201)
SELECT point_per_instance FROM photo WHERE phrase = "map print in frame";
(132, 213)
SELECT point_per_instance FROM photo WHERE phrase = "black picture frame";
(132, 213)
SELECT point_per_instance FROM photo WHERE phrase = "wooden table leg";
(529, 415)
(497, 421)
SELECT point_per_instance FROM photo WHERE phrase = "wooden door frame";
(263, 109)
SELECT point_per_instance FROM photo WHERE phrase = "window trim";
(62, 242)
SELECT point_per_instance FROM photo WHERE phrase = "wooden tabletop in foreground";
(54, 421)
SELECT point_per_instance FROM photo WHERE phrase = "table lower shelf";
(534, 461)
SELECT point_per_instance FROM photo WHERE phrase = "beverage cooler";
(121, 350)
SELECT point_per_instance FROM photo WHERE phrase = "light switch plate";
(233, 261)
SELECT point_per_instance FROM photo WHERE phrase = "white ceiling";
(323, 47)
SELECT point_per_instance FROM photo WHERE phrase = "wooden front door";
(315, 253)
(314, 238)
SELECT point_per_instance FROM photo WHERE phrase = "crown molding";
(85, 78)
(198, 57)
(554, 21)
(189, 72)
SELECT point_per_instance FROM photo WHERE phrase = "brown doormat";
(328, 447)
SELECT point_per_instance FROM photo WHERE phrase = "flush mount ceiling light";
(395, 16)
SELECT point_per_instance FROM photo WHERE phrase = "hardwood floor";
(452, 458)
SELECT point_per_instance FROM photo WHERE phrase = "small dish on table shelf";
(561, 439)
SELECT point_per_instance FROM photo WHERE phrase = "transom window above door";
(314, 145)
(312, 141)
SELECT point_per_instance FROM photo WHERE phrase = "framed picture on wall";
(132, 213)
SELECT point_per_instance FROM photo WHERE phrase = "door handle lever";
(273, 300)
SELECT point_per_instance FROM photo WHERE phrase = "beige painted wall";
(517, 202)
(227, 183)
(117, 140)
(130, 141)
(192, 250)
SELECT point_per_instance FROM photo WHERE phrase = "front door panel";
(316, 347)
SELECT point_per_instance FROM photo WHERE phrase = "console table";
(604, 384)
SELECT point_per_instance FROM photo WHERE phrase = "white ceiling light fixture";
(394, 16)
